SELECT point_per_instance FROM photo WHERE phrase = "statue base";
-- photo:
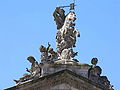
(66, 61)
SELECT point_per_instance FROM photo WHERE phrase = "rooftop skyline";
(25, 25)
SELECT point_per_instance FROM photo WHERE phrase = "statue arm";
(55, 13)
(57, 16)
(28, 70)
(48, 47)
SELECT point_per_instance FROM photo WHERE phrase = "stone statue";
(44, 52)
(94, 74)
(53, 55)
(35, 70)
(66, 33)
(95, 71)
(66, 36)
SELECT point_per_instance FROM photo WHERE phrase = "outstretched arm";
(27, 70)
(48, 46)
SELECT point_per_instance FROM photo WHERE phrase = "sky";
(27, 24)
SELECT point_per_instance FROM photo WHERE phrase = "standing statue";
(66, 33)
(66, 36)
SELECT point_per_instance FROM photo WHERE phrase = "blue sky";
(27, 24)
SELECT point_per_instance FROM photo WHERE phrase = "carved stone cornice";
(62, 77)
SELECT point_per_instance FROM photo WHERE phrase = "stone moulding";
(65, 76)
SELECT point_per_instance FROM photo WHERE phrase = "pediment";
(63, 86)
(65, 79)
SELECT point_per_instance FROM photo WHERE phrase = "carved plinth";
(79, 68)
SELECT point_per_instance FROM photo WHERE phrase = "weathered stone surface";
(63, 87)
(81, 69)
(61, 80)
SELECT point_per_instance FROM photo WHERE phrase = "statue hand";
(49, 44)
(27, 70)
(57, 8)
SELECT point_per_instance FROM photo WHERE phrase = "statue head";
(94, 61)
(61, 11)
(31, 59)
(50, 50)
(71, 16)
(42, 48)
